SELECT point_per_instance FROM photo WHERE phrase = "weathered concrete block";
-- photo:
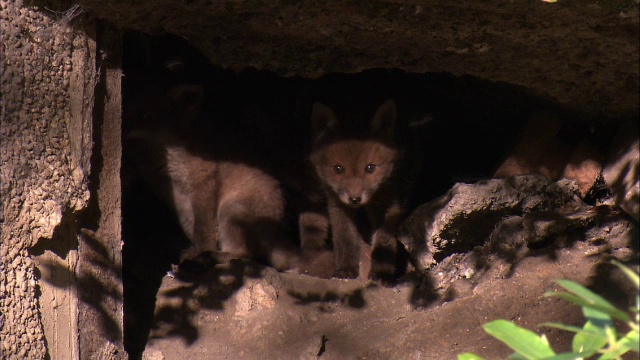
(466, 216)
(498, 223)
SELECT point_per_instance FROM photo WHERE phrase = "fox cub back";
(226, 206)
(357, 168)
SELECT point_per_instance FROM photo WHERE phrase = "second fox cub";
(225, 205)
(357, 169)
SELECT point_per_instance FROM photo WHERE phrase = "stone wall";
(47, 82)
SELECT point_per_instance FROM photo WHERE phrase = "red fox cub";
(224, 205)
(357, 170)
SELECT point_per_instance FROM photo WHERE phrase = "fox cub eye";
(370, 168)
(338, 169)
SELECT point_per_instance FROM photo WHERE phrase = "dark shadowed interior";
(454, 128)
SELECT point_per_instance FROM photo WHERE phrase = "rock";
(468, 214)
(255, 297)
(621, 169)
(314, 349)
(497, 223)
(258, 294)
(151, 354)
(601, 228)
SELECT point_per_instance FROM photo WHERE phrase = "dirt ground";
(244, 311)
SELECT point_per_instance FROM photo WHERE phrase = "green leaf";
(632, 275)
(631, 340)
(566, 356)
(614, 354)
(590, 340)
(570, 328)
(469, 356)
(608, 309)
(585, 293)
(593, 337)
(597, 316)
(524, 342)
(516, 356)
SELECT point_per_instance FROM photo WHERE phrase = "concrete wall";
(46, 133)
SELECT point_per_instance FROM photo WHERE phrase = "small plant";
(598, 336)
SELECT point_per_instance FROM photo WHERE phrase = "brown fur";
(223, 206)
(358, 174)
(541, 150)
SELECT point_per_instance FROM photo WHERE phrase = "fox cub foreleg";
(384, 242)
(314, 229)
(346, 240)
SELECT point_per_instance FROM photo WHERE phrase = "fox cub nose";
(355, 200)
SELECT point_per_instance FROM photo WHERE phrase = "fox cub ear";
(384, 120)
(323, 119)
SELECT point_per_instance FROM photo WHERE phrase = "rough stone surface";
(467, 214)
(582, 54)
(516, 237)
(43, 181)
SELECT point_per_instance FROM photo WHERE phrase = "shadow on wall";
(98, 286)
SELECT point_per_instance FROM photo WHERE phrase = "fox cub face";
(354, 167)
